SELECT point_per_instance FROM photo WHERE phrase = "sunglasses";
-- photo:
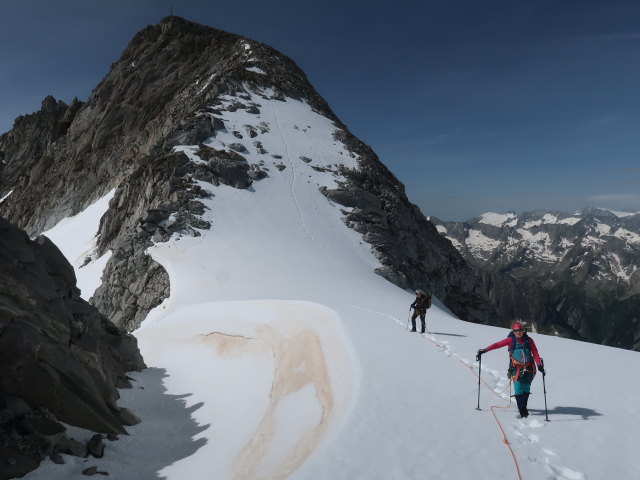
(518, 330)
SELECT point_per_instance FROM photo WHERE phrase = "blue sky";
(475, 105)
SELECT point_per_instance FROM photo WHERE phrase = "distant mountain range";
(585, 262)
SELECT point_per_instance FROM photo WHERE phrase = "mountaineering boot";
(521, 400)
(412, 330)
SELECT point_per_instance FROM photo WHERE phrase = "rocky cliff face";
(586, 263)
(410, 249)
(60, 359)
(158, 128)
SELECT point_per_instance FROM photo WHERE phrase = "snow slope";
(280, 354)
(78, 248)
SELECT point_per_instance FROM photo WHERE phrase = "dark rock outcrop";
(60, 359)
(32, 140)
(228, 167)
(133, 283)
(95, 447)
(412, 253)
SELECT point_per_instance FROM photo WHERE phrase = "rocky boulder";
(60, 359)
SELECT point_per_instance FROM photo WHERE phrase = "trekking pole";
(479, 372)
(544, 389)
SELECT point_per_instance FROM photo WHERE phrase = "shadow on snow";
(447, 334)
(584, 413)
(167, 433)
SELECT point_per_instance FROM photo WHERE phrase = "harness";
(524, 362)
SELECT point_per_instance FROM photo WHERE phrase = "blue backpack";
(520, 357)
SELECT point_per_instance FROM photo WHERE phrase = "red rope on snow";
(505, 440)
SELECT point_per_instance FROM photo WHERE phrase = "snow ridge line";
(294, 177)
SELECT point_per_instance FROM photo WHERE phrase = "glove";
(541, 368)
(479, 354)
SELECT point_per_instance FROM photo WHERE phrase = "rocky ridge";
(586, 263)
(60, 359)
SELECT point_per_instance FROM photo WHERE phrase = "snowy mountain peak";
(262, 253)
(188, 110)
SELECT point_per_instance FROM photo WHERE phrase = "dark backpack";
(428, 302)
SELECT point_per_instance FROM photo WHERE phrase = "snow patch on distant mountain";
(622, 272)
(540, 244)
(497, 219)
(480, 244)
(631, 237)
(569, 220)
(603, 228)
(531, 224)
(622, 214)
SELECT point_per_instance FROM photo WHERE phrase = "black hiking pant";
(522, 400)
(422, 314)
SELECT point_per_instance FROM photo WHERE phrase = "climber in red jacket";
(523, 358)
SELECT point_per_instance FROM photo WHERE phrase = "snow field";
(280, 354)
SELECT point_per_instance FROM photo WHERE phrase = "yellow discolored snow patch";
(298, 362)
(272, 378)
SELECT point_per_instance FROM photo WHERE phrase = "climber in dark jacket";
(420, 306)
